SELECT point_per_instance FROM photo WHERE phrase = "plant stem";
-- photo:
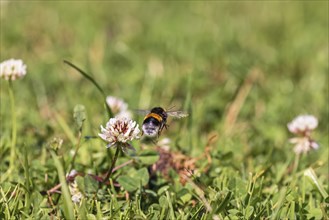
(122, 165)
(76, 151)
(109, 172)
(295, 169)
(296, 163)
(14, 128)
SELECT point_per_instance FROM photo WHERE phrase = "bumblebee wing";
(177, 114)
(141, 111)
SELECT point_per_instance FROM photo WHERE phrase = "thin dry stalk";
(235, 107)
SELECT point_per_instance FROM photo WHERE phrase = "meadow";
(242, 70)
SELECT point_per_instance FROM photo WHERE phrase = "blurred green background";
(192, 55)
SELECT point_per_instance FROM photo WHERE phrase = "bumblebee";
(156, 119)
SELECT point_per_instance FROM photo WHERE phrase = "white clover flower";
(120, 131)
(75, 192)
(12, 69)
(118, 107)
(303, 124)
(76, 198)
(124, 114)
(303, 144)
(164, 144)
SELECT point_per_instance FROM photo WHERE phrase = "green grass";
(242, 69)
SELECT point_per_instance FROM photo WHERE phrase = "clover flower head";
(164, 144)
(303, 124)
(120, 131)
(303, 144)
(124, 114)
(118, 107)
(76, 194)
(12, 69)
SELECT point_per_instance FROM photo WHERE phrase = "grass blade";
(313, 178)
(68, 205)
(86, 76)
(99, 88)
(279, 203)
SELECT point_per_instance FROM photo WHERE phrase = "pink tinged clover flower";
(303, 144)
(120, 131)
(303, 125)
(118, 107)
(12, 69)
